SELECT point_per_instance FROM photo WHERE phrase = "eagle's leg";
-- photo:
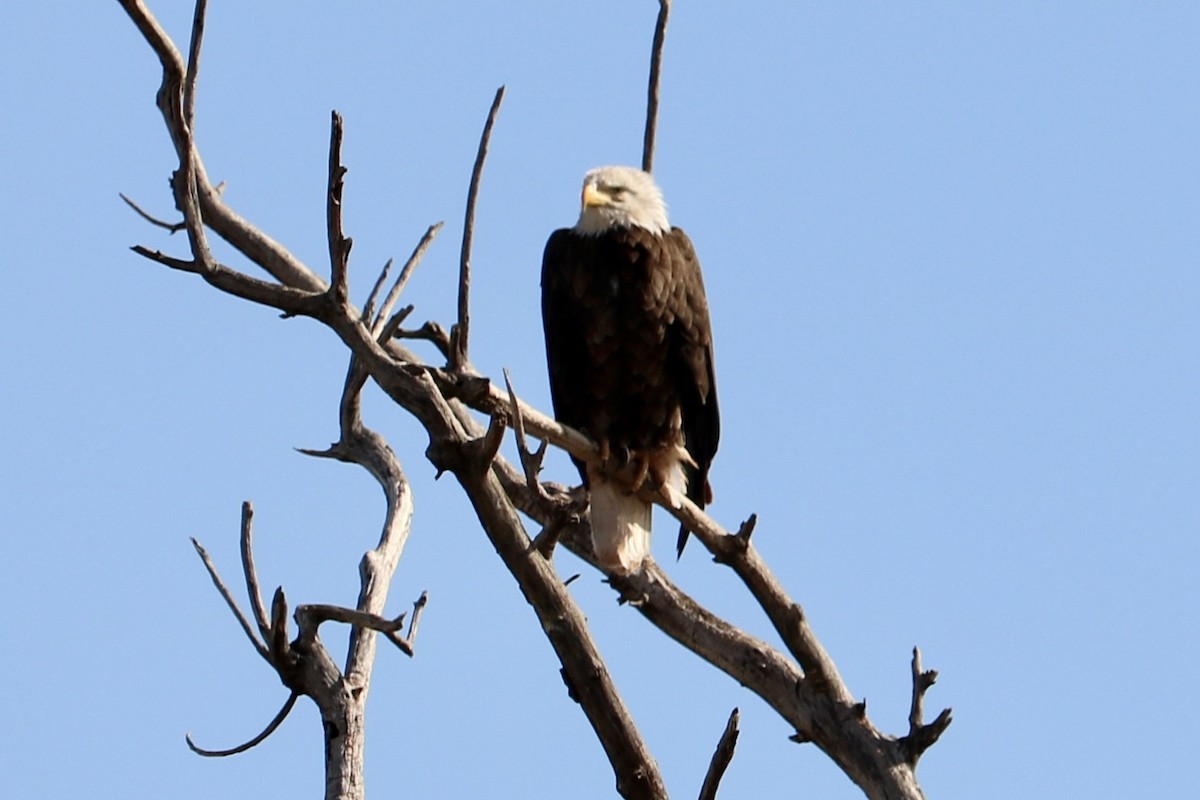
(647, 467)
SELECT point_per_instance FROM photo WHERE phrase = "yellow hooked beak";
(593, 197)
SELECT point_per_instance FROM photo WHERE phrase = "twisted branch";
(272, 726)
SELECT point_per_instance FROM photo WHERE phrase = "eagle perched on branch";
(630, 352)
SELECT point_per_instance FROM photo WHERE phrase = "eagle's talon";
(604, 456)
(627, 456)
(641, 471)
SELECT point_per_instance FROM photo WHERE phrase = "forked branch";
(384, 318)
(920, 736)
(227, 596)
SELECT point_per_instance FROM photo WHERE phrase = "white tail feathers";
(621, 521)
(620, 526)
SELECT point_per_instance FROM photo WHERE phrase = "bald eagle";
(630, 354)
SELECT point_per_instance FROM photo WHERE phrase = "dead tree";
(466, 416)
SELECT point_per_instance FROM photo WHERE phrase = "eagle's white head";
(615, 197)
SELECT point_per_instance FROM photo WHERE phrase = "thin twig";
(310, 617)
(560, 512)
(489, 445)
(430, 332)
(418, 608)
(248, 239)
(229, 601)
(531, 462)
(241, 748)
(291, 301)
(368, 312)
(193, 65)
(178, 90)
(660, 36)
(721, 758)
(402, 279)
(251, 572)
(460, 333)
(160, 257)
(547, 539)
(173, 227)
(393, 324)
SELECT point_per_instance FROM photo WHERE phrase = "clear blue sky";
(953, 257)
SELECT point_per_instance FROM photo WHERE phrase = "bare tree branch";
(566, 628)
(807, 692)
(721, 758)
(460, 333)
(293, 302)
(401, 281)
(193, 65)
(814, 700)
(430, 332)
(921, 737)
(250, 572)
(562, 508)
(171, 227)
(339, 245)
(246, 238)
(418, 608)
(785, 614)
(229, 601)
(310, 616)
(393, 324)
(363, 446)
(368, 312)
(733, 550)
(281, 649)
(272, 726)
(656, 52)
(531, 463)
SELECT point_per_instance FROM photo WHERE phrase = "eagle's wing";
(564, 329)
(691, 358)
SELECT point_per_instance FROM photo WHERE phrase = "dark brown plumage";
(629, 348)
